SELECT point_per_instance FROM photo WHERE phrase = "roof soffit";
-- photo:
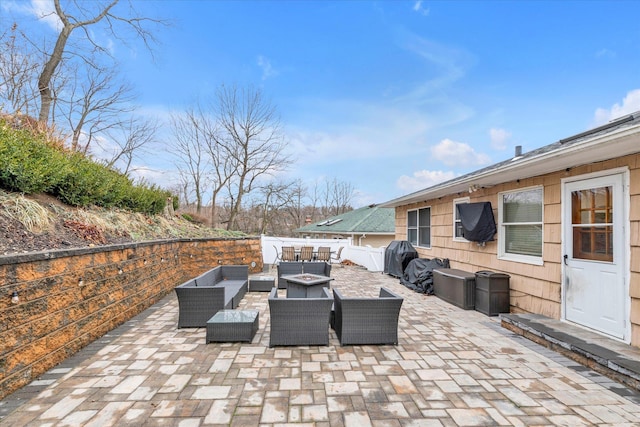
(549, 159)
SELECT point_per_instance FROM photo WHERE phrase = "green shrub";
(30, 165)
(146, 199)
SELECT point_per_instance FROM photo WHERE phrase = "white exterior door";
(594, 287)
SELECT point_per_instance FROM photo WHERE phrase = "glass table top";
(234, 316)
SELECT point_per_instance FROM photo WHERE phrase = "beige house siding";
(374, 240)
(534, 288)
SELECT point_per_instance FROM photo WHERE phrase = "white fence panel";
(370, 258)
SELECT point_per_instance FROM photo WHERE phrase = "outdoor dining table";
(306, 285)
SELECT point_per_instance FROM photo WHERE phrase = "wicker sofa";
(298, 267)
(367, 320)
(299, 321)
(219, 288)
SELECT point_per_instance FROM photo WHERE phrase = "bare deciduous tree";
(83, 15)
(275, 198)
(191, 151)
(297, 209)
(18, 69)
(129, 140)
(222, 161)
(339, 195)
(252, 134)
(94, 104)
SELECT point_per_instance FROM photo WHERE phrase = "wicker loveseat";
(299, 321)
(367, 320)
(219, 288)
(298, 267)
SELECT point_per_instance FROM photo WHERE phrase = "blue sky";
(395, 96)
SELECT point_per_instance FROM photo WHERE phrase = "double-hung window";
(457, 223)
(419, 227)
(520, 214)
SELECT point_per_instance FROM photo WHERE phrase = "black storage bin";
(492, 293)
(455, 286)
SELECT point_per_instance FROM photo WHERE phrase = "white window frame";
(502, 252)
(418, 226)
(456, 202)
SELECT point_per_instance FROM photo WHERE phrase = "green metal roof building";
(370, 225)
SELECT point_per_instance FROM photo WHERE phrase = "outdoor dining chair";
(288, 253)
(324, 253)
(338, 256)
(306, 253)
(277, 259)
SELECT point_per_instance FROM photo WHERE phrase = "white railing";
(366, 256)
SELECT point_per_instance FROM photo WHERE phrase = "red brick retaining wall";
(68, 298)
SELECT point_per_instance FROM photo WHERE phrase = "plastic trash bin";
(492, 293)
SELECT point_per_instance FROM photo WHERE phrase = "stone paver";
(451, 368)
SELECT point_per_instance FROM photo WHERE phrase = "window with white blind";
(520, 217)
(419, 227)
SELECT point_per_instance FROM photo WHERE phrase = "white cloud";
(267, 68)
(343, 130)
(453, 153)
(162, 178)
(417, 7)
(630, 104)
(499, 138)
(45, 12)
(423, 179)
(605, 53)
(444, 65)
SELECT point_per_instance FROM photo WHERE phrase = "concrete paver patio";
(451, 368)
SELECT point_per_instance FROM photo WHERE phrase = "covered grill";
(397, 257)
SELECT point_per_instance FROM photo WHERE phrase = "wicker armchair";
(299, 321)
(367, 320)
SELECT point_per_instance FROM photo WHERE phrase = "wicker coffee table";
(261, 283)
(232, 325)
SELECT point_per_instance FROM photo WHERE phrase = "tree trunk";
(44, 81)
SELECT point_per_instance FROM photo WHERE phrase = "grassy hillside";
(51, 198)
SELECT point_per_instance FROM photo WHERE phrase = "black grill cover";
(397, 256)
(419, 274)
(477, 221)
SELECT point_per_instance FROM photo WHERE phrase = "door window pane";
(591, 217)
